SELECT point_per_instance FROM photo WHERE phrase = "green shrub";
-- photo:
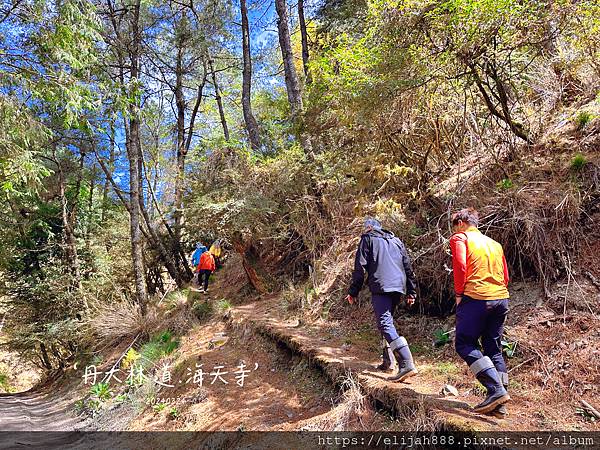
(583, 118)
(173, 413)
(93, 405)
(578, 162)
(509, 348)
(504, 184)
(441, 337)
(223, 305)
(160, 345)
(202, 310)
(80, 405)
(159, 407)
(4, 384)
(101, 391)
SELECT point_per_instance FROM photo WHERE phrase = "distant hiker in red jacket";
(206, 266)
(480, 286)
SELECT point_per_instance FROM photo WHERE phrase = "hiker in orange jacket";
(480, 286)
(206, 266)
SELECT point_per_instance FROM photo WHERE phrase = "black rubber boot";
(487, 375)
(388, 357)
(501, 412)
(406, 366)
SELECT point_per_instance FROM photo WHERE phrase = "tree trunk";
(291, 77)
(134, 155)
(151, 234)
(90, 222)
(219, 100)
(181, 150)
(504, 114)
(183, 145)
(255, 280)
(180, 254)
(162, 251)
(45, 357)
(304, 37)
(251, 125)
(68, 223)
(111, 163)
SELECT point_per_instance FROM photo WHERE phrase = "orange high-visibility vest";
(479, 266)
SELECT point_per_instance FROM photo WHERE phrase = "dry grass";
(121, 320)
(534, 220)
(353, 412)
(559, 359)
(416, 417)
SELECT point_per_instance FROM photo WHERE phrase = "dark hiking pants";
(384, 306)
(481, 319)
(204, 274)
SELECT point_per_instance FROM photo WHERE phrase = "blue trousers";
(203, 277)
(384, 306)
(481, 319)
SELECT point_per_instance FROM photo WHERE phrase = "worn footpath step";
(336, 360)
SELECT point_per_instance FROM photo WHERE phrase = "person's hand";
(350, 299)
(410, 300)
(458, 299)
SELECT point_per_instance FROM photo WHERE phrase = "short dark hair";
(468, 215)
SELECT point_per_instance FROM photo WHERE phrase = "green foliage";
(583, 118)
(93, 405)
(418, 349)
(159, 346)
(441, 337)
(80, 405)
(150, 352)
(49, 53)
(505, 184)
(159, 407)
(101, 391)
(4, 382)
(446, 368)
(578, 162)
(173, 413)
(509, 348)
(202, 310)
(224, 305)
(21, 141)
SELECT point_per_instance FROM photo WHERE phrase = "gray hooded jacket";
(386, 261)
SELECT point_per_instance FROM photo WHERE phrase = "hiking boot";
(406, 366)
(205, 291)
(486, 373)
(501, 412)
(388, 357)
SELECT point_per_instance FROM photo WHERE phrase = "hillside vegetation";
(132, 130)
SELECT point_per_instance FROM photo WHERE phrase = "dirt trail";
(266, 401)
(40, 409)
(336, 357)
(283, 391)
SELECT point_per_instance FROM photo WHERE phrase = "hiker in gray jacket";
(390, 276)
